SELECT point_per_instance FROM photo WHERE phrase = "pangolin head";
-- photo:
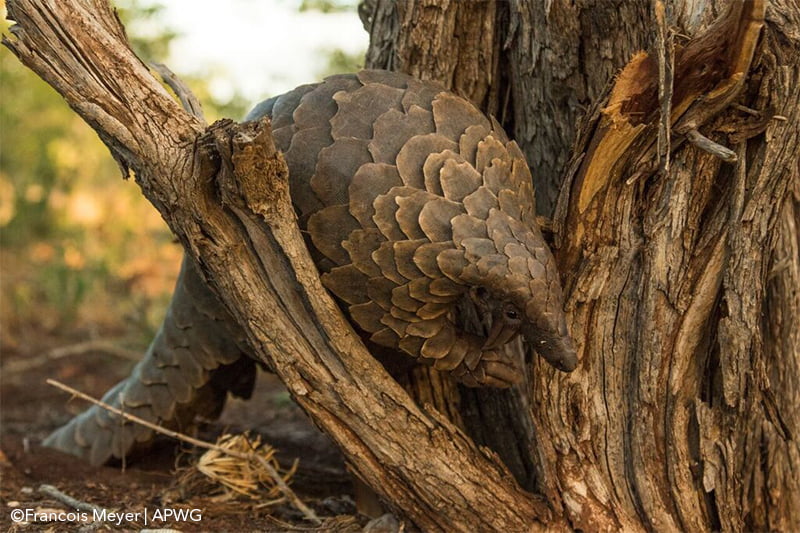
(521, 293)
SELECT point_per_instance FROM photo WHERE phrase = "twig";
(285, 489)
(707, 145)
(188, 100)
(665, 53)
(745, 109)
(94, 346)
(71, 502)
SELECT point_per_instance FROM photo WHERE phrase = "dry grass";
(238, 476)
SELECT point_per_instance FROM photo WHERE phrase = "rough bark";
(224, 193)
(667, 274)
(683, 283)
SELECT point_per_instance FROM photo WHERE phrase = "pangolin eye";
(512, 314)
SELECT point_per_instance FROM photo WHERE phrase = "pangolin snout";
(556, 349)
(568, 361)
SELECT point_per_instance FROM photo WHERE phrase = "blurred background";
(83, 256)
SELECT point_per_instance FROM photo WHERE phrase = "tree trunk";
(682, 271)
(682, 277)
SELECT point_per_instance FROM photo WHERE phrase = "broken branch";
(707, 145)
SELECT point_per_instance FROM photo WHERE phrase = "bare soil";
(30, 409)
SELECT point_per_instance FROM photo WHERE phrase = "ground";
(31, 409)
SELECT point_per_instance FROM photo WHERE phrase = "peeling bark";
(667, 277)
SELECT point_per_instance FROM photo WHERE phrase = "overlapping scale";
(358, 110)
(489, 150)
(401, 298)
(336, 166)
(425, 257)
(453, 115)
(385, 207)
(309, 140)
(408, 213)
(370, 181)
(384, 258)
(458, 180)
(329, 228)
(282, 110)
(466, 226)
(439, 345)
(347, 282)
(418, 197)
(421, 93)
(379, 290)
(432, 168)
(480, 202)
(412, 156)
(359, 245)
(436, 216)
(468, 142)
(368, 316)
(317, 107)
(393, 128)
(404, 258)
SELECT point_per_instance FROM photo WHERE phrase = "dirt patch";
(30, 410)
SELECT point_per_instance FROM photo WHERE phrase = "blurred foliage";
(339, 61)
(148, 35)
(81, 251)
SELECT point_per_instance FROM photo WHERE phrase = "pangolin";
(419, 213)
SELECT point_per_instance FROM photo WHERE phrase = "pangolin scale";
(418, 211)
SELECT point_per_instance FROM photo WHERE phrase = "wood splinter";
(707, 145)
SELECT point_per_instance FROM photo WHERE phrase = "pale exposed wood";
(666, 276)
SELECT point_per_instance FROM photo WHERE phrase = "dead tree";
(675, 217)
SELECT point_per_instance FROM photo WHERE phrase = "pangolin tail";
(192, 363)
